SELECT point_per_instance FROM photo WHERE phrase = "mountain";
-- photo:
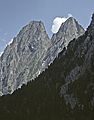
(22, 59)
(67, 32)
(32, 51)
(64, 91)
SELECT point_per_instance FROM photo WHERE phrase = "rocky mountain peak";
(22, 59)
(32, 51)
(34, 25)
(37, 26)
(33, 29)
(69, 30)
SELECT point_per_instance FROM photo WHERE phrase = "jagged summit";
(31, 52)
(37, 24)
(69, 29)
(22, 59)
(31, 29)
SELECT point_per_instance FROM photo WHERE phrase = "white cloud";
(57, 23)
(70, 15)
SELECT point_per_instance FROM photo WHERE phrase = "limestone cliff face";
(32, 51)
(67, 32)
(22, 59)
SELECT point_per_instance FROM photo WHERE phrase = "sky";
(14, 14)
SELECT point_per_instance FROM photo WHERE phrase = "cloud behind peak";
(57, 23)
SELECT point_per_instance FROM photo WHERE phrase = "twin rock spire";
(32, 51)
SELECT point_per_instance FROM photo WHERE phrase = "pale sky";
(14, 14)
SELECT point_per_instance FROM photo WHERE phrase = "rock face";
(64, 91)
(22, 59)
(32, 51)
(67, 32)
